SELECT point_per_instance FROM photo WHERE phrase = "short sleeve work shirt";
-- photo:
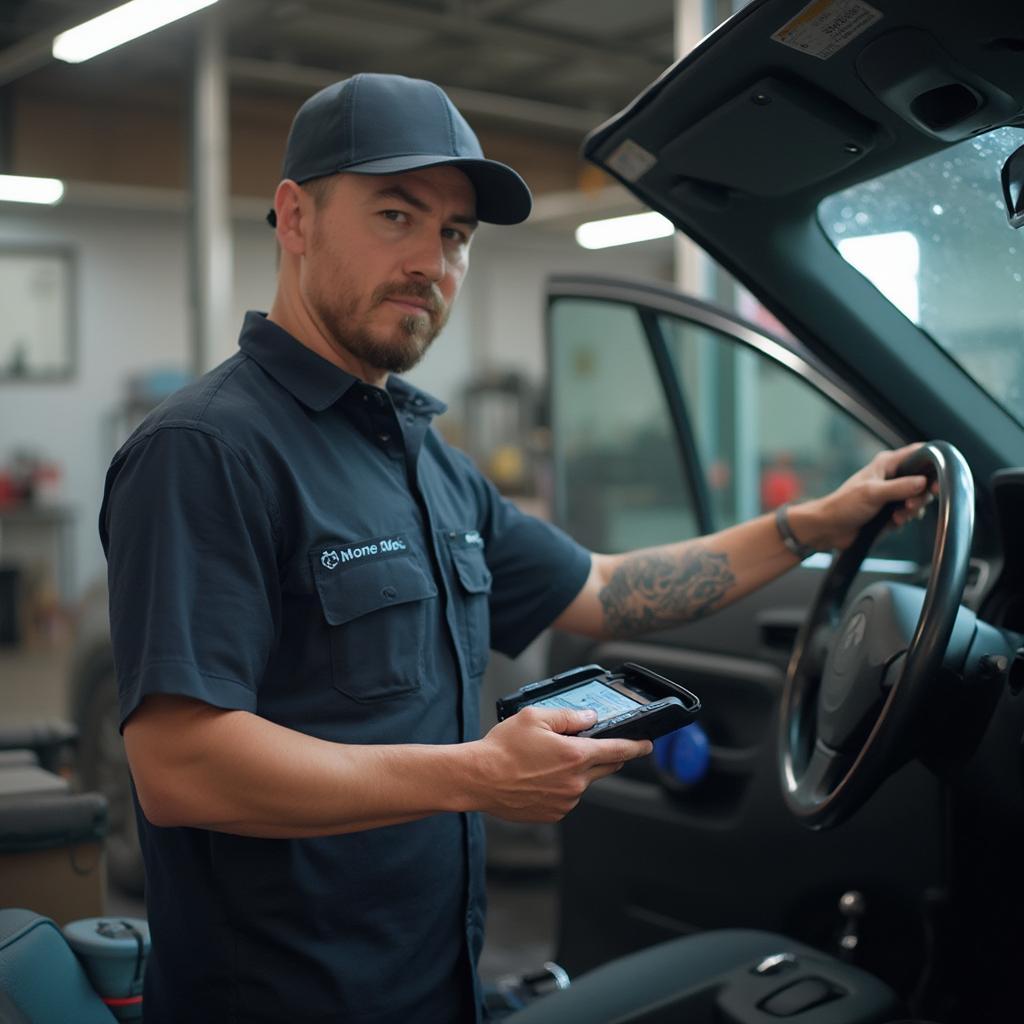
(285, 539)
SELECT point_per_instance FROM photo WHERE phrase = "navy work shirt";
(285, 539)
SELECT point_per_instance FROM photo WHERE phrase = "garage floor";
(521, 911)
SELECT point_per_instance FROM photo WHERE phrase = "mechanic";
(305, 582)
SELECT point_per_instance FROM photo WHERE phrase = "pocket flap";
(471, 566)
(347, 592)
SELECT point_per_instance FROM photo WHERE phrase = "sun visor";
(773, 138)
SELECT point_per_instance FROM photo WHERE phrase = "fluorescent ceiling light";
(638, 227)
(119, 25)
(16, 189)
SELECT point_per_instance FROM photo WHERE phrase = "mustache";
(427, 293)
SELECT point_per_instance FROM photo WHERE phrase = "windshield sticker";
(631, 161)
(824, 27)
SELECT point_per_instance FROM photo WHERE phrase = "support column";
(694, 273)
(7, 129)
(694, 19)
(211, 249)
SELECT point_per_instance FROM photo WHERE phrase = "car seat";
(41, 979)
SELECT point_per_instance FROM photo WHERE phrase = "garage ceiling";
(580, 59)
(532, 76)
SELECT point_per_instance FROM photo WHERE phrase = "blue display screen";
(594, 696)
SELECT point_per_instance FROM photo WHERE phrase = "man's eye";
(396, 216)
(454, 235)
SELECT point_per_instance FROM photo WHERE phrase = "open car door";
(672, 419)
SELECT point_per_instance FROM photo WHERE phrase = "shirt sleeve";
(190, 540)
(537, 568)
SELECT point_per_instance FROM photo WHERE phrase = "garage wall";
(132, 301)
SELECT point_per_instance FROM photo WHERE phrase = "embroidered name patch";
(465, 539)
(360, 551)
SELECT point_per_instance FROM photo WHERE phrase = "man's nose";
(427, 260)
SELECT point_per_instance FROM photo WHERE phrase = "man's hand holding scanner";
(532, 768)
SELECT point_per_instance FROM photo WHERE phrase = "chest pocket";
(472, 611)
(376, 612)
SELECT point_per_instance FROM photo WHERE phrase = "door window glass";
(620, 482)
(766, 435)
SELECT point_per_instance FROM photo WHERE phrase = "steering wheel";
(861, 672)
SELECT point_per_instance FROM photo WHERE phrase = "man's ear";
(293, 208)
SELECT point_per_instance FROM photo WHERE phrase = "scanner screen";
(595, 696)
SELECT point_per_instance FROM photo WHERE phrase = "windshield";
(934, 239)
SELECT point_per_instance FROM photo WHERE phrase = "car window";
(765, 434)
(933, 238)
(619, 476)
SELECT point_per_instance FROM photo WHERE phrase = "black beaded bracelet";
(801, 551)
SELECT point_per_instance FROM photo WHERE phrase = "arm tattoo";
(651, 590)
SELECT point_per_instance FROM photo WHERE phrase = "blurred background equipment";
(503, 431)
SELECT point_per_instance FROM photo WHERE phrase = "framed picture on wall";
(37, 327)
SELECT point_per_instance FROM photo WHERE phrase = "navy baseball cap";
(386, 124)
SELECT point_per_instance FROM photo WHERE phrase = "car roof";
(788, 102)
(830, 118)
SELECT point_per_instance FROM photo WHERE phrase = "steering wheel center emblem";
(855, 631)
(847, 651)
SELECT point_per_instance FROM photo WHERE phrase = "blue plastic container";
(684, 755)
(113, 951)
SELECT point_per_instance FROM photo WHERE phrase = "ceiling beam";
(558, 208)
(497, 8)
(535, 113)
(27, 55)
(662, 28)
(535, 40)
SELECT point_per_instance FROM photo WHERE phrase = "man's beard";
(412, 336)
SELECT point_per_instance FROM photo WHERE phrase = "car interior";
(859, 789)
(838, 838)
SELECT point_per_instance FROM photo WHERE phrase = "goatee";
(412, 338)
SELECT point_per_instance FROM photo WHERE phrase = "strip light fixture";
(129, 21)
(17, 189)
(637, 227)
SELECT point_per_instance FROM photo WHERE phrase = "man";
(305, 582)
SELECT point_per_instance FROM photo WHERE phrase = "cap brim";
(502, 197)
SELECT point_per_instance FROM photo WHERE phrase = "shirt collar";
(314, 381)
(411, 397)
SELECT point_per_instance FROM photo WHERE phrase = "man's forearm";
(664, 586)
(232, 771)
(659, 587)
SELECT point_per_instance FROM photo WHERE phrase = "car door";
(672, 419)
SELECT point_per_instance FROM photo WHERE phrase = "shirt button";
(383, 438)
(390, 593)
(366, 396)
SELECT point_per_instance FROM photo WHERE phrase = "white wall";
(132, 316)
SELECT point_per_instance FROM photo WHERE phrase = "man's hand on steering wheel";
(835, 520)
